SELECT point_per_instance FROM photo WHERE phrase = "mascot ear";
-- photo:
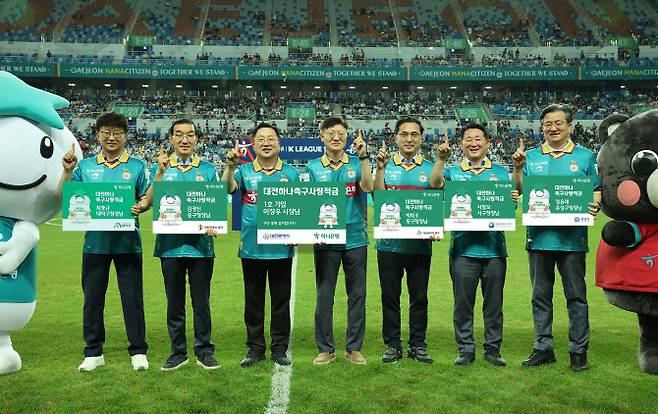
(609, 124)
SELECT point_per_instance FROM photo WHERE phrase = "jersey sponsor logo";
(350, 189)
(249, 197)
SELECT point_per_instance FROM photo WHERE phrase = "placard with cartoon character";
(97, 206)
(479, 206)
(557, 201)
(189, 207)
(408, 214)
(301, 213)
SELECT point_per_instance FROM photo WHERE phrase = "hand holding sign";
(233, 156)
(360, 145)
(382, 156)
(519, 156)
(70, 160)
(444, 149)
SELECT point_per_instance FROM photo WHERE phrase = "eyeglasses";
(107, 133)
(409, 134)
(268, 140)
(556, 124)
(332, 134)
(179, 136)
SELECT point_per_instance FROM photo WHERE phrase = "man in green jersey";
(186, 254)
(261, 262)
(407, 170)
(475, 255)
(336, 166)
(101, 248)
(551, 246)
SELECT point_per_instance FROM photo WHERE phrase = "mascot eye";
(47, 147)
(644, 162)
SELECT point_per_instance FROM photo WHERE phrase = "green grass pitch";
(51, 347)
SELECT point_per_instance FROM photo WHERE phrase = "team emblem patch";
(350, 172)
(283, 179)
(493, 178)
(574, 166)
(126, 174)
(422, 177)
(199, 177)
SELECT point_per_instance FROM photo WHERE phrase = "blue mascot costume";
(627, 259)
(33, 141)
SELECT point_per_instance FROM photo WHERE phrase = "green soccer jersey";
(478, 244)
(20, 286)
(247, 176)
(399, 175)
(124, 170)
(572, 160)
(348, 171)
(185, 245)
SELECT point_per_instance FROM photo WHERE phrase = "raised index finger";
(162, 150)
(521, 146)
(446, 140)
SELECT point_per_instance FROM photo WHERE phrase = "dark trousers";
(255, 273)
(571, 266)
(391, 270)
(95, 278)
(199, 270)
(466, 273)
(327, 263)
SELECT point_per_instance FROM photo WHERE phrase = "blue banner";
(306, 148)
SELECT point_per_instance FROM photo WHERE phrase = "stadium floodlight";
(283, 87)
(71, 84)
(214, 86)
(248, 86)
(384, 87)
(107, 85)
(420, 87)
(453, 87)
(623, 86)
(487, 87)
(179, 86)
(352, 87)
(145, 86)
(317, 87)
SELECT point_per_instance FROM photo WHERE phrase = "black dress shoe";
(251, 359)
(281, 358)
(392, 355)
(419, 353)
(464, 358)
(539, 357)
(578, 361)
(493, 356)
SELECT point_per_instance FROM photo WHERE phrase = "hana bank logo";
(649, 260)
(118, 226)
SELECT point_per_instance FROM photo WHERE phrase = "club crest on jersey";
(493, 177)
(350, 172)
(199, 177)
(422, 177)
(126, 174)
(574, 166)
(283, 179)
